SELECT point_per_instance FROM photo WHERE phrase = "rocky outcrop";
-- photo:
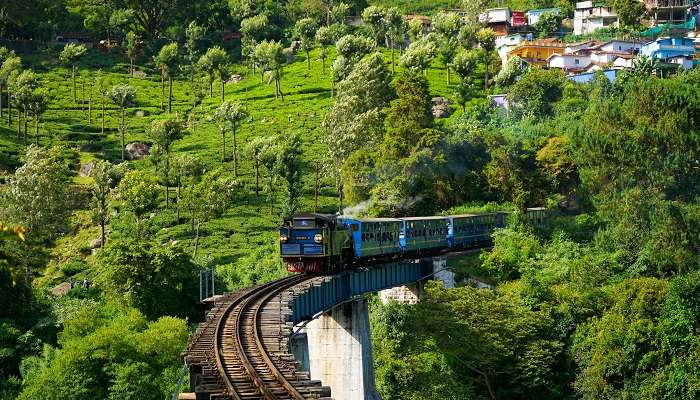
(137, 151)
(441, 107)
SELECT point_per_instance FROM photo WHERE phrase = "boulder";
(96, 243)
(86, 169)
(61, 289)
(441, 107)
(234, 79)
(137, 151)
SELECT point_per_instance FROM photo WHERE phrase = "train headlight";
(318, 238)
(283, 238)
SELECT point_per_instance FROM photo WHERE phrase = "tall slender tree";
(123, 96)
(305, 30)
(229, 115)
(71, 55)
(132, 48)
(9, 71)
(168, 59)
(193, 34)
(164, 133)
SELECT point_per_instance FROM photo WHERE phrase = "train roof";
(423, 218)
(327, 217)
(347, 217)
(470, 215)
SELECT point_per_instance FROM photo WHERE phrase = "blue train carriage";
(419, 234)
(373, 237)
(473, 229)
(314, 242)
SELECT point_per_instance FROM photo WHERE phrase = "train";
(327, 243)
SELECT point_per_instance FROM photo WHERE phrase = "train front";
(303, 242)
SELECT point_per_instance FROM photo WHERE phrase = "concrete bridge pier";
(339, 351)
(410, 294)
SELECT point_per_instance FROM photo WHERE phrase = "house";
(579, 46)
(518, 19)
(570, 62)
(498, 19)
(667, 11)
(534, 15)
(425, 21)
(504, 44)
(75, 38)
(672, 50)
(668, 47)
(620, 46)
(590, 16)
(537, 52)
(589, 77)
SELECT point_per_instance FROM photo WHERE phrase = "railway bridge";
(301, 337)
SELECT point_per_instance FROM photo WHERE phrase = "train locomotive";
(326, 243)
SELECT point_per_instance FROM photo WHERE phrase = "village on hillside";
(594, 39)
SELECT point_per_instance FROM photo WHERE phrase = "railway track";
(242, 348)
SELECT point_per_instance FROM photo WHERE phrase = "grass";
(226, 241)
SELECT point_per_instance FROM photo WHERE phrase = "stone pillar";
(408, 294)
(446, 276)
(340, 352)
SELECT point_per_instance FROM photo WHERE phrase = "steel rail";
(267, 291)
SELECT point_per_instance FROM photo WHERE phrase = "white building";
(570, 62)
(590, 16)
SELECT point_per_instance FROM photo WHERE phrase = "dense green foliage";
(598, 303)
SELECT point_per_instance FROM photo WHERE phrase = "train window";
(362, 237)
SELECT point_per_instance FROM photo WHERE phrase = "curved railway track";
(250, 350)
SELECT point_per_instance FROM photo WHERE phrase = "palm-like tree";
(123, 96)
(229, 115)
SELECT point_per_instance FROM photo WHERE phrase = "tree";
(103, 175)
(324, 38)
(132, 48)
(123, 96)
(37, 105)
(95, 357)
(356, 118)
(418, 56)
(351, 49)
(229, 115)
(291, 169)
(10, 69)
(71, 54)
(272, 58)
(37, 194)
(215, 62)
(138, 193)
(194, 34)
(209, 198)
(255, 149)
(629, 12)
(447, 26)
(547, 24)
(396, 31)
(164, 133)
(305, 30)
(269, 157)
(253, 31)
(536, 91)
(375, 18)
(415, 29)
(646, 66)
(23, 87)
(188, 170)
(464, 64)
(5, 54)
(103, 89)
(487, 41)
(514, 68)
(167, 59)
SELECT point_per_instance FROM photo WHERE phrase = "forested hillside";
(179, 141)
